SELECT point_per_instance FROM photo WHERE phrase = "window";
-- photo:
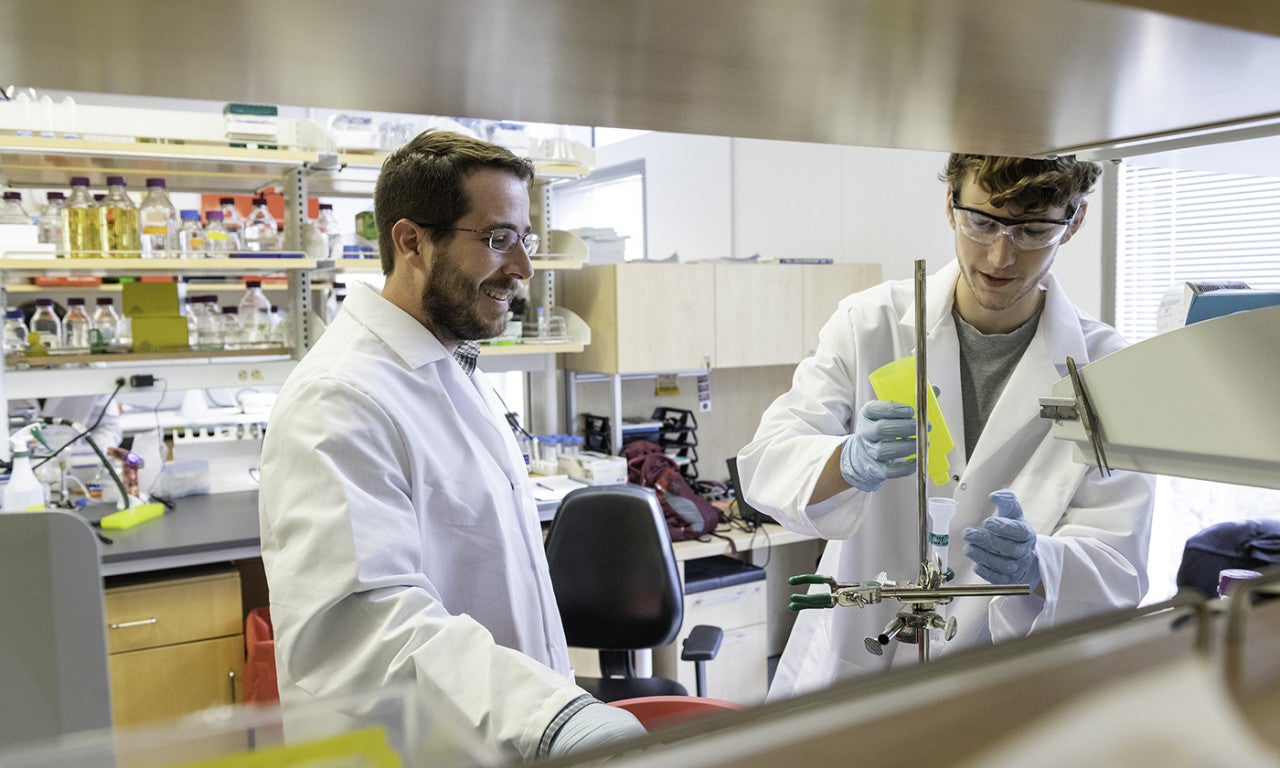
(1174, 226)
(607, 198)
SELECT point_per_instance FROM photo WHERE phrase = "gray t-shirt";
(986, 362)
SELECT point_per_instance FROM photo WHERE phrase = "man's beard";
(450, 301)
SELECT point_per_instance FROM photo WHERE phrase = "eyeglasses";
(1027, 234)
(500, 239)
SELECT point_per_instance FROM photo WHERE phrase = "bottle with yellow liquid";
(118, 222)
(80, 231)
(897, 382)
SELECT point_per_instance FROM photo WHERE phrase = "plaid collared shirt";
(466, 353)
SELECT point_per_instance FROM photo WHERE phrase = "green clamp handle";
(801, 602)
(810, 578)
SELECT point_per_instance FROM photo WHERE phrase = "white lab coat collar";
(401, 332)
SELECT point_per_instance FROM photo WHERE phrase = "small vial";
(191, 240)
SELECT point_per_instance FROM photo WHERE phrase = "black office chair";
(618, 588)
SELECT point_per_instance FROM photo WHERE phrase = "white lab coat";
(1093, 530)
(400, 537)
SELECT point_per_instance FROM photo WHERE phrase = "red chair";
(260, 657)
(658, 711)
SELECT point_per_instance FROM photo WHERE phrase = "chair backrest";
(613, 569)
(54, 662)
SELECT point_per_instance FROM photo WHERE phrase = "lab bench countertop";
(224, 526)
(198, 530)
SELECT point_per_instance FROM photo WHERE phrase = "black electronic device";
(748, 513)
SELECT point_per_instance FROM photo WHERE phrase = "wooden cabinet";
(648, 318)
(643, 316)
(175, 644)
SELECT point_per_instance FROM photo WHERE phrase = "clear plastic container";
(191, 240)
(75, 326)
(118, 222)
(80, 238)
(46, 324)
(12, 211)
(15, 332)
(107, 321)
(255, 315)
(233, 222)
(158, 220)
(50, 222)
(260, 231)
(208, 323)
(233, 334)
(217, 239)
(327, 225)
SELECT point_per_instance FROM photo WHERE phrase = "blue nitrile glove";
(595, 725)
(1004, 548)
(883, 435)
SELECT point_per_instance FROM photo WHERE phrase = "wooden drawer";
(163, 683)
(163, 612)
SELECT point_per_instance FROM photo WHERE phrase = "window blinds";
(1178, 225)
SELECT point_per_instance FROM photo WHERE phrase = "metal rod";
(922, 437)
(913, 594)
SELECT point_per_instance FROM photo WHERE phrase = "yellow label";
(216, 236)
(368, 747)
(667, 385)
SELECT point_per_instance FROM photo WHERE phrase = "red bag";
(260, 657)
(688, 515)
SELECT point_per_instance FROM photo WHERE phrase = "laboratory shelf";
(541, 262)
(127, 266)
(55, 361)
(28, 161)
(527, 348)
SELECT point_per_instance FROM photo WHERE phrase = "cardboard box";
(159, 334)
(147, 299)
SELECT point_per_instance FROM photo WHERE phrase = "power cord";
(89, 429)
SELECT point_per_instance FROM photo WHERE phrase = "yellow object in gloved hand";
(127, 518)
(897, 382)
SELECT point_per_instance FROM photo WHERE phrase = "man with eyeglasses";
(830, 460)
(399, 534)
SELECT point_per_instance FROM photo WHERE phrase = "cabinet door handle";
(138, 623)
(721, 598)
(231, 679)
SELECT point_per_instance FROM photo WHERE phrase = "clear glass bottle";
(333, 303)
(280, 327)
(12, 211)
(50, 222)
(15, 332)
(327, 225)
(191, 242)
(46, 324)
(80, 222)
(107, 321)
(233, 331)
(208, 323)
(191, 310)
(158, 220)
(76, 325)
(118, 222)
(216, 238)
(233, 222)
(260, 232)
(255, 315)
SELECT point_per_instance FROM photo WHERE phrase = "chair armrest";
(702, 644)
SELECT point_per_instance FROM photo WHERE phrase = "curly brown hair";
(1034, 185)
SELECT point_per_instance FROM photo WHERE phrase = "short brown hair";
(1030, 184)
(423, 181)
